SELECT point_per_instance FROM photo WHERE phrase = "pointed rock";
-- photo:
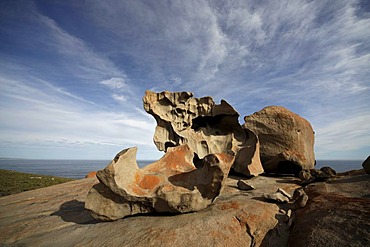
(242, 185)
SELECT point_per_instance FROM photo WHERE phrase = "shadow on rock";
(74, 211)
(279, 235)
(288, 181)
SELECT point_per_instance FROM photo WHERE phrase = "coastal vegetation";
(12, 182)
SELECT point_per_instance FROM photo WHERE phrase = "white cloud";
(115, 83)
(310, 56)
(119, 97)
(345, 135)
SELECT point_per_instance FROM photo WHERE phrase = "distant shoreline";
(77, 169)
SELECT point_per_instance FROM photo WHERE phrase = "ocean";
(78, 169)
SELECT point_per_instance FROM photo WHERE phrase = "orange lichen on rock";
(171, 184)
(229, 205)
(149, 182)
(91, 174)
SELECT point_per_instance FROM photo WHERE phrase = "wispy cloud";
(39, 119)
(310, 56)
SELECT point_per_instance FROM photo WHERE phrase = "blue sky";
(73, 73)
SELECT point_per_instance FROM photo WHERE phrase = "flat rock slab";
(55, 216)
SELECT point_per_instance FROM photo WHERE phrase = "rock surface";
(337, 214)
(172, 184)
(55, 216)
(366, 165)
(286, 139)
(203, 125)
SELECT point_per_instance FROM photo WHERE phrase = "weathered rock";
(172, 184)
(337, 214)
(306, 177)
(55, 216)
(366, 165)
(91, 174)
(326, 173)
(286, 140)
(313, 175)
(300, 198)
(277, 196)
(244, 186)
(203, 125)
(282, 191)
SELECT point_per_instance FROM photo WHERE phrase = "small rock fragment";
(300, 197)
(288, 215)
(306, 177)
(277, 196)
(285, 193)
(242, 185)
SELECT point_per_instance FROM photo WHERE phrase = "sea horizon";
(79, 168)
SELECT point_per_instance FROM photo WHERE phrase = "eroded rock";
(300, 198)
(203, 125)
(314, 175)
(242, 185)
(172, 184)
(277, 196)
(286, 140)
(366, 165)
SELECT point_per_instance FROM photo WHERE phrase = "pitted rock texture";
(203, 125)
(286, 140)
(172, 184)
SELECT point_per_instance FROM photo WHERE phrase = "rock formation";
(313, 175)
(366, 165)
(172, 184)
(286, 140)
(203, 125)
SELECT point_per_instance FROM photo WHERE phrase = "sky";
(73, 73)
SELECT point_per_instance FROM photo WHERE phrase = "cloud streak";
(312, 57)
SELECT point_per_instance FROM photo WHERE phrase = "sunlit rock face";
(178, 183)
(204, 126)
(286, 139)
